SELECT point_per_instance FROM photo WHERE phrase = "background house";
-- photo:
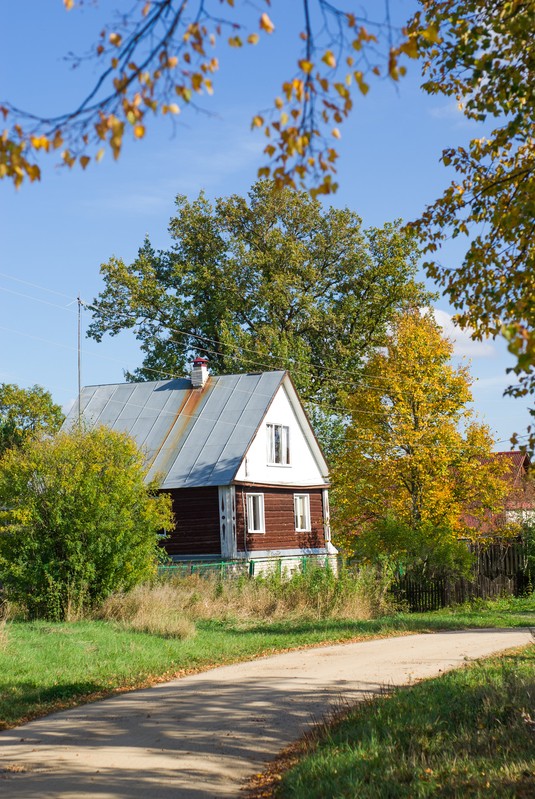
(519, 503)
(236, 452)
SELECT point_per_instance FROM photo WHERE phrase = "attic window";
(278, 444)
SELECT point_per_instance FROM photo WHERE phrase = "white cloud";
(450, 110)
(463, 344)
(190, 167)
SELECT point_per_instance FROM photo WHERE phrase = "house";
(519, 503)
(238, 455)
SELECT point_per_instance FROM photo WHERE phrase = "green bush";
(428, 550)
(77, 521)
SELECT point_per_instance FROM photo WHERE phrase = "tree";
(483, 59)
(408, 473)
(77, 521)
(25, 412)
(275, 282)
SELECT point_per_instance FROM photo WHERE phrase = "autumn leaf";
(329, 59)
(306, 66)
(266, 24)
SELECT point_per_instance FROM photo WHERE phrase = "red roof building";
(520, 499)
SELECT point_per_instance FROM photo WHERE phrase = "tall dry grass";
(148, 608)
(173, 606)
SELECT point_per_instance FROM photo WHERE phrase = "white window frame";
(285, 444)
(306, 513)
(250, 501)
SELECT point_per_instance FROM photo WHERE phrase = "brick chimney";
(199, 372)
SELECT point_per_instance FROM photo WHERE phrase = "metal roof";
(190, 437)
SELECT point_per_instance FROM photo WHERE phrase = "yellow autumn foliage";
(412, 451)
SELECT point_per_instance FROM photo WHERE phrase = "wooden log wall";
(197, 522)
(280, 531)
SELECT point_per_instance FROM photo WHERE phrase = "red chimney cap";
(200, 361)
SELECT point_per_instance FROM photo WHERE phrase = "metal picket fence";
(229, 569)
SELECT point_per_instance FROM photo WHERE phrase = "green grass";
(46, 666)
(470, 733)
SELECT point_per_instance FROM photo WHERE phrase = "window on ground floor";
(302, 512)
(255, 513)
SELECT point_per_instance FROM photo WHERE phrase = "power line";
(289, 364)
(37, 299)
(342, 411)
(35, 285)
(292, 366)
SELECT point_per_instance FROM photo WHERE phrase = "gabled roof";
(191, 437)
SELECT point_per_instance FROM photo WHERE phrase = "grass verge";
(49, 666)
(470, 733)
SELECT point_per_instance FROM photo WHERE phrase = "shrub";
(77, 521)
(428, 550)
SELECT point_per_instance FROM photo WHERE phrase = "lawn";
(469, 733)
(46, 666)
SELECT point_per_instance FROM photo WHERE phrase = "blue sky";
(55, 234)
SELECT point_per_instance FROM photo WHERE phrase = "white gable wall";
(303, 468)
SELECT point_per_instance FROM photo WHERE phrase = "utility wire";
(162, 412)
(292, 366)
(35, 285)
(288, 363)
(37, 299)
(236, 357)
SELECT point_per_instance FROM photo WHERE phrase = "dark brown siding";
(279, 517)
(197, 522)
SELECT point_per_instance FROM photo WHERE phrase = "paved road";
(202, 736)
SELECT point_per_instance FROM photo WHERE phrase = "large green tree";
(77, 521)
(270, 282)
(409, 472)
(26, 412)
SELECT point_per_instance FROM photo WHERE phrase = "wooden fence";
(499, 569)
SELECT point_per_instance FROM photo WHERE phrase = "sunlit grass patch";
(45, 666)
(470, 733)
